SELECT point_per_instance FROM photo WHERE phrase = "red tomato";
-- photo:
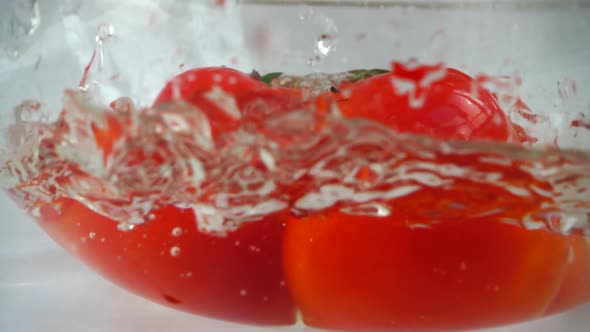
(342, 271)
(363, 272)
(167, 260)
(575, 288)
(228, 97)
(357, 272)
(238, 277)
(404, 100)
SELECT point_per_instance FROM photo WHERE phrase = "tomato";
(575, 288)
(343, 271)
(237, 277)
(452, 106)
(228, 97)
(168, 260)
(368, 272)
(360, 272)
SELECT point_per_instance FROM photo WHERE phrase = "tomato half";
(367, 272)
(376, 273)
(575, 288)
(168, 260)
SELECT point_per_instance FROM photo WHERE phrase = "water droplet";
(177, 231)
(104, 33)
(324, 44)
(92, 235)
(368, 209)
(243, 292)
(175, 251)
(566, 89)
(125, 227)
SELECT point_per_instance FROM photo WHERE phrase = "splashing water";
(291, 159)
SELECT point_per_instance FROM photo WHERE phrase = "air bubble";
(92, 235)
(243, 292)
(175, 251)
(324, 44)
(125, 227)
(176, 231)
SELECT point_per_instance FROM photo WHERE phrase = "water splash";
(104, 33)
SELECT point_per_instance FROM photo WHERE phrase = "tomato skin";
(376, 273)
(236, 278)
(575, 288)
(449, 108)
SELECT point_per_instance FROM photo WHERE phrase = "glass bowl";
(356, 165)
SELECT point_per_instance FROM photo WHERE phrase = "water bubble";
(368, 209)
(176, 231)
(324, 44)
(92, 235)
(175, 251)
(125, 227)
